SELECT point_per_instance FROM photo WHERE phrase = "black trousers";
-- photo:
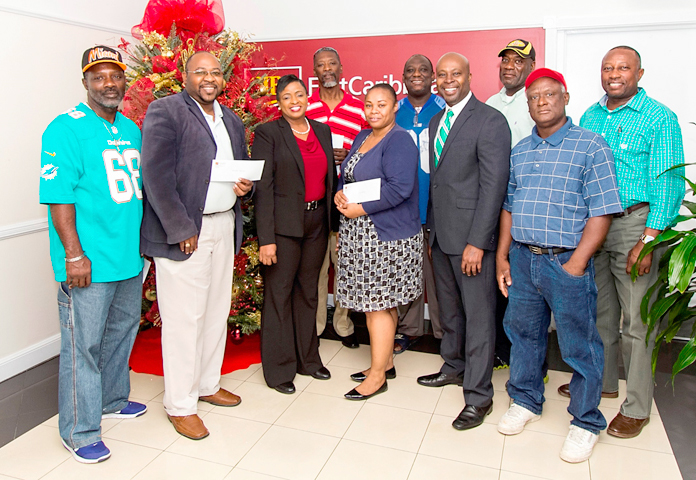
(289, 342)
(467, 316)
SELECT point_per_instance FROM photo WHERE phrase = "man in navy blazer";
(192, 226)
(469, 165)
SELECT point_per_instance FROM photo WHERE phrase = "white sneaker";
(515, 419)
(578, 445)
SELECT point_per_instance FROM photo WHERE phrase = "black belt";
(313, 205)
(547, 250)
(631, 209)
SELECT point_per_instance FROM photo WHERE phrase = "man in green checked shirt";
(646, 140)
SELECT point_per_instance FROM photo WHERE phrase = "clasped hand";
(349, 210)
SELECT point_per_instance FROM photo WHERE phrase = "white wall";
(43, 41)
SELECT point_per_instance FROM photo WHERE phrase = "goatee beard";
(330, 84)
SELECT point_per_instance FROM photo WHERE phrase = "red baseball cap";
(545, 72)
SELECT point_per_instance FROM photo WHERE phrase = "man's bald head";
(453, 77)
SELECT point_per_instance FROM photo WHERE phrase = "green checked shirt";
(646, 140)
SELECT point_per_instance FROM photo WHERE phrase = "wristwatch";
(646, 239)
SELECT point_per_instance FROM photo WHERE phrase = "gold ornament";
(151, 294)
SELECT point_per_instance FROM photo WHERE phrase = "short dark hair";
(198, 52)
(326, 49)
(383, 86)
(286, 80)
(626, 47)
(422, 56)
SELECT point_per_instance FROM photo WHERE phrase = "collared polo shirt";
(516, 112)
(347, 119)
(557, 183)
(220, 196)
(646, 141)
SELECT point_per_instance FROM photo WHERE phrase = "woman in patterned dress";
(380, 242)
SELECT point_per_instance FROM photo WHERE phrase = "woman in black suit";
(293, 202)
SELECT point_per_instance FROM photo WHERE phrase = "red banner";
(381, 59)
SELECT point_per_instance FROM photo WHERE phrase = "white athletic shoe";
(578, 445)
(515, 419)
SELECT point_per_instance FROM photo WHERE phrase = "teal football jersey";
(88, 162)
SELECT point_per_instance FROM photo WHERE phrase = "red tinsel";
(138, 97)
(191, 16)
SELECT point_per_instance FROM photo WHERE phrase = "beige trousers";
(341, 320)
(194, 300)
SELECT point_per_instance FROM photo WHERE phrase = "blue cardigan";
(395, 160)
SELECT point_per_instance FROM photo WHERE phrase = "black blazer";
(468, 186)
(279, 197)
(177, 154)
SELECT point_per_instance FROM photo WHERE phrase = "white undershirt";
(221, 196)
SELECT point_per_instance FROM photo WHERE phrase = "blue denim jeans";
(540, 286)
(98, 325)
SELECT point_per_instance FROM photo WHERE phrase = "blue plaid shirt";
(557, 183)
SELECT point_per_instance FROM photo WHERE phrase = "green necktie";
(442, 135)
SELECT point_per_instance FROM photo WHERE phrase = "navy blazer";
(395, 160)
(279, 198)
(177, 154)
(468, 186)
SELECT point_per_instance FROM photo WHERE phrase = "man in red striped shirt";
(344, 114)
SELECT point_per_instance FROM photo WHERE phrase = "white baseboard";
(29, 357)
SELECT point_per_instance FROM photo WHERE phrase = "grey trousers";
(412, 316)
(617, 294)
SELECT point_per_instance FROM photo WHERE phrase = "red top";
(315, 167)
(347, 119)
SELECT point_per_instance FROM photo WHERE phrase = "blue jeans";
(540, 285)
(98, 325)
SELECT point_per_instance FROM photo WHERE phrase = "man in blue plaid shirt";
(561, 196)
(646, 141)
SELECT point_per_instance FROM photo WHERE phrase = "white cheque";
(365, 191)
(233, 170)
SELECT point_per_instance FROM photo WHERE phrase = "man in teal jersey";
(414, 114)
(646, 141)
(90, 179)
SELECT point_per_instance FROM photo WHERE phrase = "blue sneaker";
(132, 410)
(95, 453)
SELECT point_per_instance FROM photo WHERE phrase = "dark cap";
(101, 54)
(523, 48)
(545, 72)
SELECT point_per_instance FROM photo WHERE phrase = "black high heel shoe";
(360, 376)
(355, 395)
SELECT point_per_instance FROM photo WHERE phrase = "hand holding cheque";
(348, 201)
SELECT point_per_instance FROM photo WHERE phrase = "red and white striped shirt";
(347, 119)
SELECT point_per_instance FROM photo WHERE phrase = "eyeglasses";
(204, 73)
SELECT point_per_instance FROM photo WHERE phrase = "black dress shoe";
(471, 416)
(440, 379)
(286, 388)
(360, 376)
(351, 341)
(322, 374)
(355, 395)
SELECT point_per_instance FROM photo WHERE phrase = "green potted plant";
(666, 306)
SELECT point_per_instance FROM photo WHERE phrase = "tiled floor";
(405, 433)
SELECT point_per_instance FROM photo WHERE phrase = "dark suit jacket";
(468, 186)
(279, 198)
(177, 153)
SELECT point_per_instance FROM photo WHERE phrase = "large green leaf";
(660, 307)
(686, 357)
(690, 205)
(681, 268)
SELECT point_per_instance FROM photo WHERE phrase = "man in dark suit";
(189, 224)
(469, 165)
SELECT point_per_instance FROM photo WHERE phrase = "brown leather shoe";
(626, 427)
(564, 391)
(222, 398)
(190, 426)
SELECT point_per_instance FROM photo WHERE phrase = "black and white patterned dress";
(372, 274)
